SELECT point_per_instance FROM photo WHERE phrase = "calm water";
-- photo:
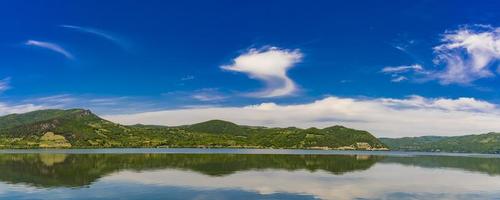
(245, 174)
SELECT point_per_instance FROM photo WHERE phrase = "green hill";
(78, 128)
(218, 127)
(483, 143)
(14, 120)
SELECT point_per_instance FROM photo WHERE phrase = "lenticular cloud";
(269, 65)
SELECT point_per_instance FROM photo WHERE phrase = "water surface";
(245, 174)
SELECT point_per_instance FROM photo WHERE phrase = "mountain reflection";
(489, 166)
(75, 170)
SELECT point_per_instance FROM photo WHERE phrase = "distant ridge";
(217, 127)
(482, 143)
(80, 128)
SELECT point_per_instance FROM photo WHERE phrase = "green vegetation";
(51, 140)
(483, 143)
(77, 128)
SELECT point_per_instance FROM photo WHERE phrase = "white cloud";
(465, 55)
(403, 49)
(399, 79)
(108, 101)
(468, 54)
(60, 99)
(459, 104)
(7, 108)
(51, 46)
(97, 32)
(402, 69)
(4, 84)
(207, 97)
(20, 108)
(269, 65)
(401, 73)
(106, 104)
(412, 116)
(40, 103)
(208, 94)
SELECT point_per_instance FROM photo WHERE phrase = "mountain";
(483, 143)
(15, 120)
(79, 128)
(218, 127)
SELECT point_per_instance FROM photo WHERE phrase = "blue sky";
(124, 59)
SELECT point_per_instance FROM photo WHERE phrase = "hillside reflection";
(75, 170)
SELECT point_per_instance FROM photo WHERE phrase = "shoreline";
(237, 151)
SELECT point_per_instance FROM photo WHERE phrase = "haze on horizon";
(395, 69)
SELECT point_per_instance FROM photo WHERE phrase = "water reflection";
(244, 176)
(72, 170)
(489, 166)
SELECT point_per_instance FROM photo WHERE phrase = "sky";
(396, 69)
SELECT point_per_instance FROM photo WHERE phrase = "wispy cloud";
(109, 101)
(465, 55)
(208, 95)
(6, 108)
(269, 65)
(398, 79)
(468, 54)
(187, 78)
(397, 72)
(55, 100)
(19, 107)
(71, 101)
(402, 68)
(50, 46)
(98, 104)
(411, 116)
(97, 32)
(4, 84)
